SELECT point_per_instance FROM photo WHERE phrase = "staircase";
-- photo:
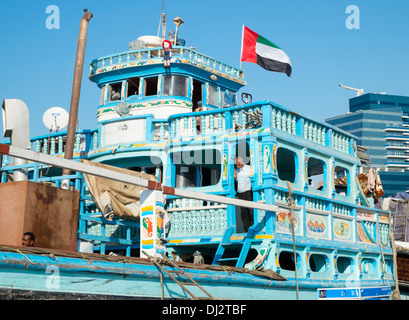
(225, 243)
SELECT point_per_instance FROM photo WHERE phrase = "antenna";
(162, 20)
(55, 118)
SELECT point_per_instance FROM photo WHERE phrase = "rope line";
(293, 220)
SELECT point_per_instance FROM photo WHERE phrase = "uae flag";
(259, 50)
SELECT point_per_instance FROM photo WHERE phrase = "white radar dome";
(146, 42)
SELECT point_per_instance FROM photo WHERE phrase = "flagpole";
(242, 36)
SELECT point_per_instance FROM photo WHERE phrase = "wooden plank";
(122, 177)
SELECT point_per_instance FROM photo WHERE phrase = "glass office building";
(381, 123)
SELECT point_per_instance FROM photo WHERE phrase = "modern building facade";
(381, 123)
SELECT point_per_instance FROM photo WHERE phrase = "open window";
(133, 87)
(341, 181)
(174, 85)
(286, 167)
(243, 150)
(316, 173)
(319, 263)
(368, 265)
(286, 260)
(345, 265)
(152, 170)
(197, 168)
(197, 96)
(115, 92)
(155, 171)
(151, 86)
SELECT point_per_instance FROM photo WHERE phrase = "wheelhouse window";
(133, 87)
(115, 91)
(212, 95)
(316, 173)
(286, 168)
(174, 85)
(229, 99)
(341, 181)
(151, 86)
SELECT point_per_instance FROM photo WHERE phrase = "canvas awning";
(115, 198)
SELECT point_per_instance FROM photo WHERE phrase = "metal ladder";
(218, 257)
(180, 271)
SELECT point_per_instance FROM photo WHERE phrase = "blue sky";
(38, 63)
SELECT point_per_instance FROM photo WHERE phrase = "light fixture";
(178, 22)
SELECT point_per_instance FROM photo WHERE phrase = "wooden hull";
(53, 275)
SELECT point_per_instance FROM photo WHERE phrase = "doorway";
(242, 150)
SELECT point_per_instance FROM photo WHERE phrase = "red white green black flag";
(257, 49)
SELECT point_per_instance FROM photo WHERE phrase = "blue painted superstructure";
(185, 126)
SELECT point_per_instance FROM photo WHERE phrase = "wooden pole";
(75, 95)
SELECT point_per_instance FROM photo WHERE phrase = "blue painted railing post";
(300, 127)
(351, 145)
(149, 128)
(170, 172)
(88, 139)
(267, 115)
(328, 138)
(228, 121)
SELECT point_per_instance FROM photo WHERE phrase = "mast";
(75, 95)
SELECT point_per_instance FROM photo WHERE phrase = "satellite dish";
(56, 118)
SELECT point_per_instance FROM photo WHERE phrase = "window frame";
(348, 182)
(279, 163)
(177, 162)
(145, 86)
(164, 80)
(311, 176)
(138, 87)
(212, 96)
(120, 84)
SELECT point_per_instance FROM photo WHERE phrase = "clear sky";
(37, 63)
